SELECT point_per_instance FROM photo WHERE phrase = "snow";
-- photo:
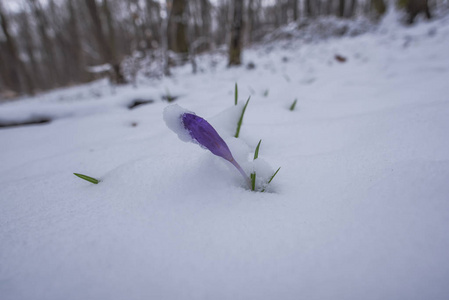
(359, 209)
(172, 117)
(99, 68)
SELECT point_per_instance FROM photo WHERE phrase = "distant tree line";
(49, 44)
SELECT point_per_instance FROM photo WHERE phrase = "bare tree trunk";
(155, 21)
(98, 30)
(329, 7)
(115, 61)
(379, 8)
(49, 55)
(294, 4)
(235, 47)
(194, 20)
(352, 8)
(12, 77)
(164, 43)
(415, 7)
(250, 22)
(80, 74)
(63, 64)
(21, 80)
(177, 28)
(30, 48)
(341, 8)
(223, 21)
(309, 9)
(318, 7)
(139, 33)
(207, 22)
(107, 49)
(283, 8)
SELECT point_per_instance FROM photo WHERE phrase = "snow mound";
(173, 119)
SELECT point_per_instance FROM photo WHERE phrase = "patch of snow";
(359, 209)
(173, 119)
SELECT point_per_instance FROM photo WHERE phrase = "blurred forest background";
(45, 44)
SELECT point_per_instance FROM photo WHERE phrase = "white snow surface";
(173, 119)
(359, 209)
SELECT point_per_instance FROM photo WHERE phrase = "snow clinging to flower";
(190, 127)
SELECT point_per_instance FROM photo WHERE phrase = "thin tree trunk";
(308, 8)
(415, 7)
(177, 28)
(77, 47)
(206, 20)
(62, 64)
(21, 80)
(98, 31)
(379, 8)
(30, 51)
(329, 7)
(352, 8)
(49, 55)
(295, 10)
(250, 24)
(165, 42)
(154, 19)
(235, 47)
(107, 48)
(341, 8)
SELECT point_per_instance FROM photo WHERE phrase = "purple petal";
(201, 131)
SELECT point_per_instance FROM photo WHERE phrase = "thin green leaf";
(274, 175)
(236, 94)
(253, 181)
(239, 124)
(292, 107)
(87, 178)
(256, 153)
(269, 181)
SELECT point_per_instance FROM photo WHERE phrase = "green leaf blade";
(274, 175)
(87, 178)
(253, 181)
(292, 107)
(269, 181)
(236, 94)
(239, 124)
(256, 153)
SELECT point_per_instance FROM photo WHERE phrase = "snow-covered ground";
(359, 209)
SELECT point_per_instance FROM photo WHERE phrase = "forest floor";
(359, 209)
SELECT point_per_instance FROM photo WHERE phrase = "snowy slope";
(359, 210)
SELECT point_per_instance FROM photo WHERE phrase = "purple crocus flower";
(206, 136)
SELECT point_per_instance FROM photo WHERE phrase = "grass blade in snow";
(256, 153)
(269, 181)
(253, 175)
(239, 124)
(236, 94)
(292, 107)
(87, 178)
(253, 181)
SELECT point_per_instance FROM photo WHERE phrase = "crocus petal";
(202, 132)
(190, 127)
